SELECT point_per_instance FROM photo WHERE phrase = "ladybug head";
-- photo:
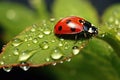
(89, 29)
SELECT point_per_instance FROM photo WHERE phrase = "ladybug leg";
(76, 38)
(85, 35)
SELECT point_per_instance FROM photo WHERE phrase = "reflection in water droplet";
(24, 66)
(54, 64)
(16, 42)
(47, 59)
(30, 38)
(76, 50)
(40, 35)
(56, 54)
(33, 29)
(44, 45)
(35, 40)
(25, 55)
(61, 61)
(60, 44)
(1, 63)
(16, 52)
(53, 40)
(52, 19)
(68, 60)
(47, 31)
(7, 69)
(66, 46)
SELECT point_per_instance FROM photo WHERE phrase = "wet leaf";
(110, 29)
(38, 46)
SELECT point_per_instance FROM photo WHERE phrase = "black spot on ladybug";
(73, 29)
(60, 28)
(81, 21)
(68, 21)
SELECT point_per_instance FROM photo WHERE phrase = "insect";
(74, 28)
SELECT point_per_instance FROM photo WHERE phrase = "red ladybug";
(74, 28)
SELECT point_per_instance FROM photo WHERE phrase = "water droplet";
(52, 19)
(61, 39)
(53, 40)
(25, 55)
(56, 54)
(33, 29)
(54, 64)
(24, 66)
(60, 44)
(66, 46)
(68, 60)
(47, 31)
(76, 50)
(47, 59)
(7, 69)
(44, 45)
(16, 52)
(1, 63)
(30, 38)
(40, 35)
(35, 40)
(61, 61)
(11, 14)
(16, 42)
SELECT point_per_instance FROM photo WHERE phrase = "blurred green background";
(15, 15)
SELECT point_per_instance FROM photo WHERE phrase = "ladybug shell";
(69, 25)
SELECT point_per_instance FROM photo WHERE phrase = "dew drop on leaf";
(40, 35)
(56, 54)
(25, 55)
(35, 40)
(7, 69)
(1, 62)
(60, 44)
(52, 19)
(33, 29)
(44, 45)
(47, 31)
(54, 64)
(16, 42)
(15, 51)
(75, 50)
(68, 60)
(47, 59)
(24, 67)
(61, 61)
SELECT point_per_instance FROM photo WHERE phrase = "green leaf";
(92, 64)
(38, 46)
(81, 8)
(14, 18)
(110, 32)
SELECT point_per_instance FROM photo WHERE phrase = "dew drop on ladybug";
(72, 27)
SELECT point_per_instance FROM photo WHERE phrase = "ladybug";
(74, 28)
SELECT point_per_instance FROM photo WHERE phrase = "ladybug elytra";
(74, 28)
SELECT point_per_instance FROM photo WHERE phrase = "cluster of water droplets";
(114, 23)
(36, 36)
